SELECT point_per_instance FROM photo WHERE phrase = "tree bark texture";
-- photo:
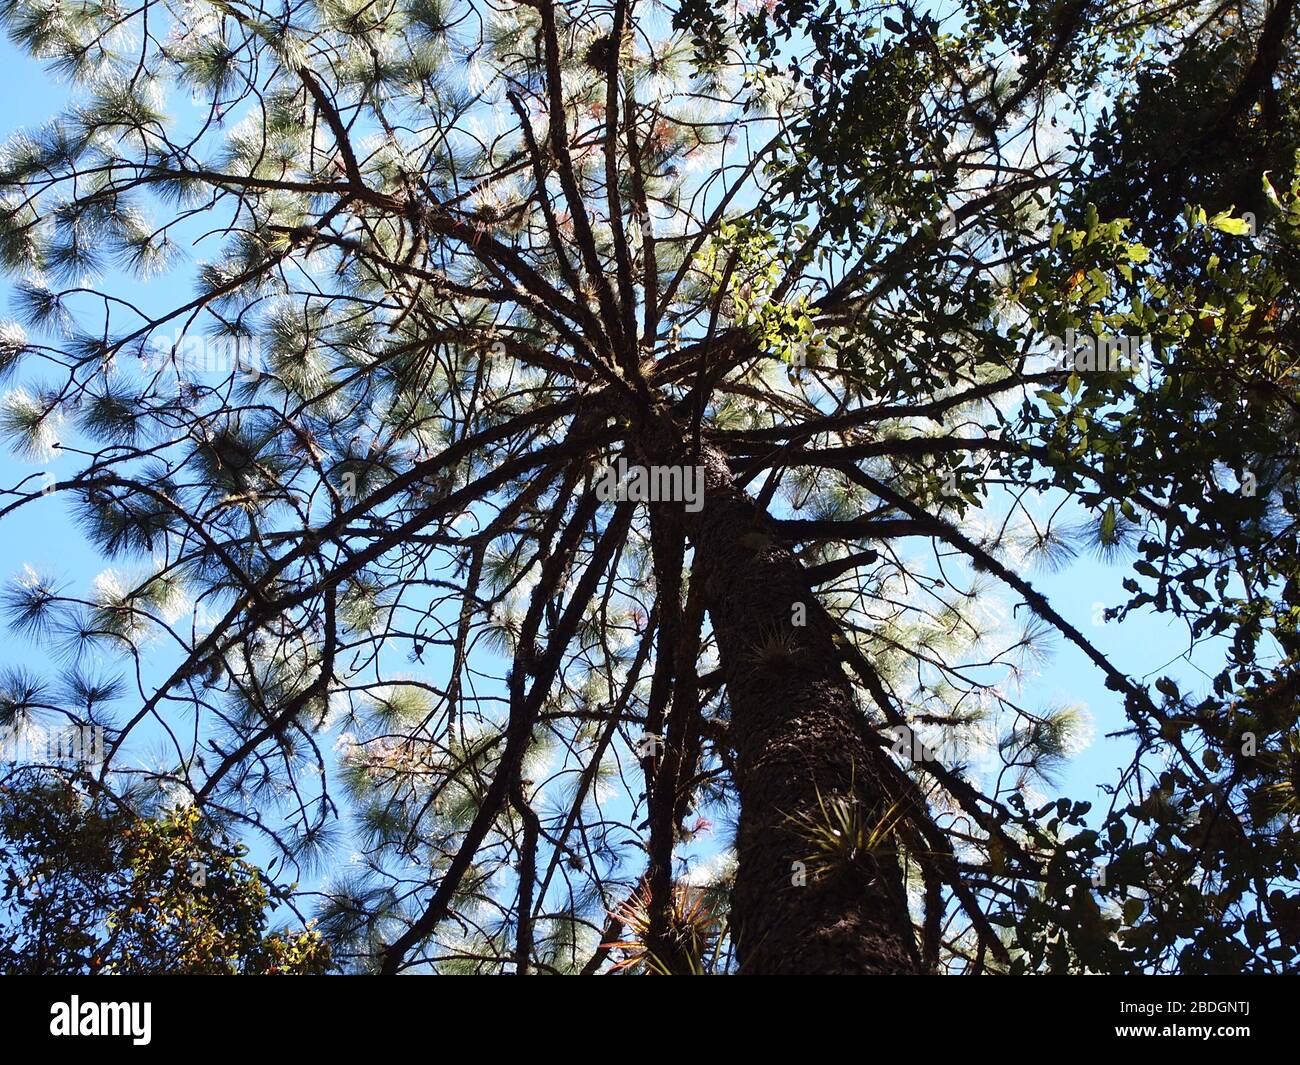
(800, 750)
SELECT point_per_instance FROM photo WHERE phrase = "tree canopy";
(330, 315)
(102, 889)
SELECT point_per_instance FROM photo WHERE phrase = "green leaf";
(1226, 223)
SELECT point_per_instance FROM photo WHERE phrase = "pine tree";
(330, 318)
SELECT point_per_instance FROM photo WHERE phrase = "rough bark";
(800, 747)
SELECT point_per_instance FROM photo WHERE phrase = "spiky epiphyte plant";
(776, 648)
(695, 930)
(844, 834)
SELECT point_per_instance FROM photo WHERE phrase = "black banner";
(201, 1015)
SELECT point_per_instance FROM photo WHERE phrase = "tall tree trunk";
(801, 752)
